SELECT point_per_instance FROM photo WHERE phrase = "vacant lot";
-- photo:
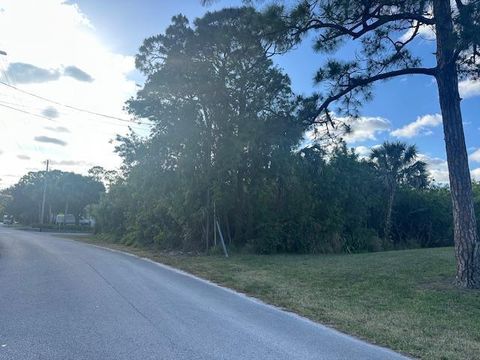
(404, 300)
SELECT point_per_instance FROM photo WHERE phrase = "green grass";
(404, 300)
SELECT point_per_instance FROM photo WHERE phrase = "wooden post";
(221, 238)
(214, 219)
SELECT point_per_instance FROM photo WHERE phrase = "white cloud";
(475, 156)
(426, 32)
(361, 129)
(363, 151)
(365, 128)
(476, 174)
(469, 88)
(437, 168)
(55, 34)
(421, 126)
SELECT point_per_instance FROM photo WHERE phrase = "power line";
(13, 106)
(25, 111)
(66, 105)
(57, 122)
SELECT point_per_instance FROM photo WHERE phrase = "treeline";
(225, 146)
(65, 193)
(305, 204)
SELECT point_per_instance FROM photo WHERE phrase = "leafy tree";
(100, 174)
(66, 192)
(396, 165)
(385, 34)
(4, 200)
(222, 113)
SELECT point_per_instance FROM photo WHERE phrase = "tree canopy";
(65, 191)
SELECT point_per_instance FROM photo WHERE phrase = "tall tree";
(397, 164)
(221, 111)
(385, 32)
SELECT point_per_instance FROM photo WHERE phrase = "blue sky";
(106, 35)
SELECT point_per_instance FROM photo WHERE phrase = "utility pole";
(42, 215)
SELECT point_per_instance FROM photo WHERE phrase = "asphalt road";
(61, 299)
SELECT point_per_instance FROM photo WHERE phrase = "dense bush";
(311, 206)
(423, 218)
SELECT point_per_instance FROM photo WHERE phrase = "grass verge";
(403, 300)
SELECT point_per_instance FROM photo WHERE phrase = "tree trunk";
(465, 227)
(388, 217)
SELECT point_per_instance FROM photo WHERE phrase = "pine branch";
(315, 24)
(369, 80)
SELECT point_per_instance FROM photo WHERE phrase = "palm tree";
(397, 164)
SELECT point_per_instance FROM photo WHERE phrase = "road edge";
(245, 296)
